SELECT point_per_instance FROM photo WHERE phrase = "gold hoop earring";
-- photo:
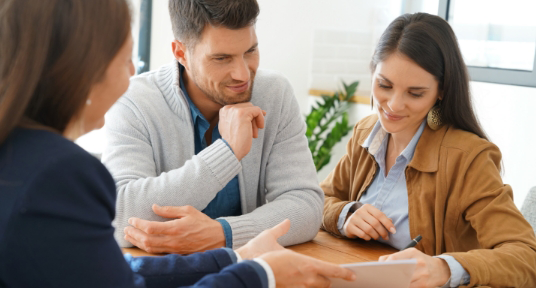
(434, 118)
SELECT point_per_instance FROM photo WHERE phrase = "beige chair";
(529, 208)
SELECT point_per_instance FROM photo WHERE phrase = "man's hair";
(189, 17)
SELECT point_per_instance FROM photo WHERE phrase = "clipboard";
(395, 274)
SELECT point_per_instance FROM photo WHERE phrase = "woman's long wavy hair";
(429, 41)
(51, 53)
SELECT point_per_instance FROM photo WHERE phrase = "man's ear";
(179, 51)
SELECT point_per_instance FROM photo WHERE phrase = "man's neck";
(207, 107)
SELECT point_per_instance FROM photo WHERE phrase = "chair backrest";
(529, 208)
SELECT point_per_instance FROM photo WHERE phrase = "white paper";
(393, 274)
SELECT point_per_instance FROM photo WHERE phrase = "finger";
(142, 239)
(147, 249)
(404, 254)
(150, 227)
(376, 225)
(258, 117)
(384, 220)
(280, 229)
(334, 271)
(368, 229)
(350, 230)
(173, 211)
(320, 281)
(255, 130)
(358, 232)
(383, 258)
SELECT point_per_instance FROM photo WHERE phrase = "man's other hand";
(190, 231)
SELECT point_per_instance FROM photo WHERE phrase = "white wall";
(287, 31)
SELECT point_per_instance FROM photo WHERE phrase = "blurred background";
(317, 44)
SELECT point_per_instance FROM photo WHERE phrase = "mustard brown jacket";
(457, 202)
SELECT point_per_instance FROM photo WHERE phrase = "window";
(497, 38)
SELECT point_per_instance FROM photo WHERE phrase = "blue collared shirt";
(227, 201)
(390, 195)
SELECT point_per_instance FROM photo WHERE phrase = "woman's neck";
(399, 141)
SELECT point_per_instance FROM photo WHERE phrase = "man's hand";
(295, 270)
(264, 242)
(239, 124)
(430, 271)
(368, 222)
(191, 231)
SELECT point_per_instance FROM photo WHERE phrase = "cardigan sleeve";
(508, 254)
(130, 158)
(62, 233)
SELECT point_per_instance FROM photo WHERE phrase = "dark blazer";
(56, 208)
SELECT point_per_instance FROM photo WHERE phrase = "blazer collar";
(426, 157)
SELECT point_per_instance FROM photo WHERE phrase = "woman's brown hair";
(429, 41)
(51, 53)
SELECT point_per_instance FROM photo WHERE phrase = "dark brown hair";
(51, 53)
(429, 41)
(189, 17)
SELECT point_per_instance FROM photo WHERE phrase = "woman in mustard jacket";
(422, 165)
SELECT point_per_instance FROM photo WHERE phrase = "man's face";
(223, 64)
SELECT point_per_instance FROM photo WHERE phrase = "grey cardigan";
(150, 153)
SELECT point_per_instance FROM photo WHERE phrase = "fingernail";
(353, 277)
(393, 230)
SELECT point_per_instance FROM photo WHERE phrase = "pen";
(413, 242)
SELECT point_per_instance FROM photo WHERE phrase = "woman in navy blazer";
(63, 63)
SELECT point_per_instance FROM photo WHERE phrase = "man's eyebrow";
(220, 55)
(254, 46)
(223, 55)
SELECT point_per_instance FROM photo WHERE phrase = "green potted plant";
(327, 123)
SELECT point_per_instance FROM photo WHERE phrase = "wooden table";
(327, 248)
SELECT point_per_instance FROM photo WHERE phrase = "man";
(214, 136)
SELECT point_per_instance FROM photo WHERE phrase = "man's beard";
(219, 96)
